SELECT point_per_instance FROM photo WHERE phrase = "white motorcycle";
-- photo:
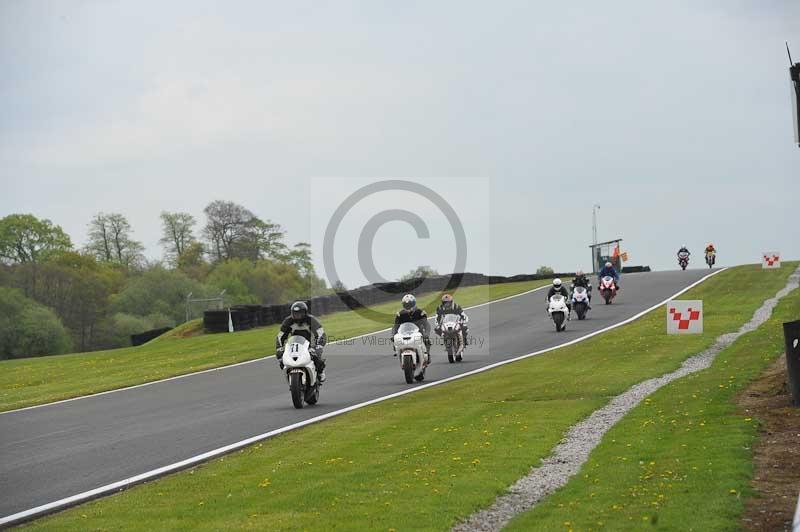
(558, 310)
(580, 301)
(301, 373)
(453, 338)
(410, 348)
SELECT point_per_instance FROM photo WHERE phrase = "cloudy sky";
(674, 117)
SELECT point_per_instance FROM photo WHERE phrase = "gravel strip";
(573, 451)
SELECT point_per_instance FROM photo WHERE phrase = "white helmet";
(608, 264)
(409, 302)
(556, 283)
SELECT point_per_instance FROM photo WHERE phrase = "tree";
(262, 282)
(177, 233)
(26, 240)
(79, 290)
(420, 273)
(300, 258)
(234, 232)
(110, 241)
(544, 270)
(191, 261)
(28, 329)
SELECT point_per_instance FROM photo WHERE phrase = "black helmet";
(299, 310)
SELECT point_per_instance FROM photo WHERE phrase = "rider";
(301, 323)
(417, 316)
(449, 306)
(581, 280)
(609, 270)
(559, 288)
(685, 250)
(710, 248)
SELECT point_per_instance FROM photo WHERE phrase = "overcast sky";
(675, 117)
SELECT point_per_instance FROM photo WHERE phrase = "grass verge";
(682, 459)
(33, 381)
(427, 460)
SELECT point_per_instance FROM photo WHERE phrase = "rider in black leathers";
(410, 313)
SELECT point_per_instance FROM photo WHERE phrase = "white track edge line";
(122, 484)
(235, 364)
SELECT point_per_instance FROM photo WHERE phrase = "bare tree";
(177, 233)
(110, 240)
(234, 232)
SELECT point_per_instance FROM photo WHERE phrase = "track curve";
(60, 450)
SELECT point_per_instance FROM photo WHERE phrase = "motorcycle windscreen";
(407, 329)
(297, 340)
(450, 319)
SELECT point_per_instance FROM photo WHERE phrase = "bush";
(158, 291)
(28, 329)
(124, 325)
(544, 270)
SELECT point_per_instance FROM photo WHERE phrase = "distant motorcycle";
(301, 373)
(607, 289)
(453, 339)
(580, 301)
(683, 259)
(559, 312)
(711, 258)
(410, 348)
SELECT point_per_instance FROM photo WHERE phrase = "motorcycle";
(453, 339)
(301, 373)
(558, 310)
(607, 289)
(410, 348)
(711, 258)
(683, 259)
(580, 301)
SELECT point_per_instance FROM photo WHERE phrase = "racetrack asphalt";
(60, 450)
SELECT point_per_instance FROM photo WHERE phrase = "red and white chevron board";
(685, 316)
(771, 259)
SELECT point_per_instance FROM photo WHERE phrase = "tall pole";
(595, 208)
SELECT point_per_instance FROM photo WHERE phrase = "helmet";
(447, 301)
(608, 264)
(299, 310)
(579, 273)
(409, 302)
(557, 283)
(710, 245)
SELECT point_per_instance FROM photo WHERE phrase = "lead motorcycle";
(301, 373)
(607, 289)
(559, 311)
(410, 348)
(683, 259)
(580, 301)
(453, 338)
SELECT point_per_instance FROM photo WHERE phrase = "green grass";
(681, 460)
(33, 381)
(426, 460)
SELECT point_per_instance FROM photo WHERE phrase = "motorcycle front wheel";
(558, 319)
(296, 387)
(408, 369)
